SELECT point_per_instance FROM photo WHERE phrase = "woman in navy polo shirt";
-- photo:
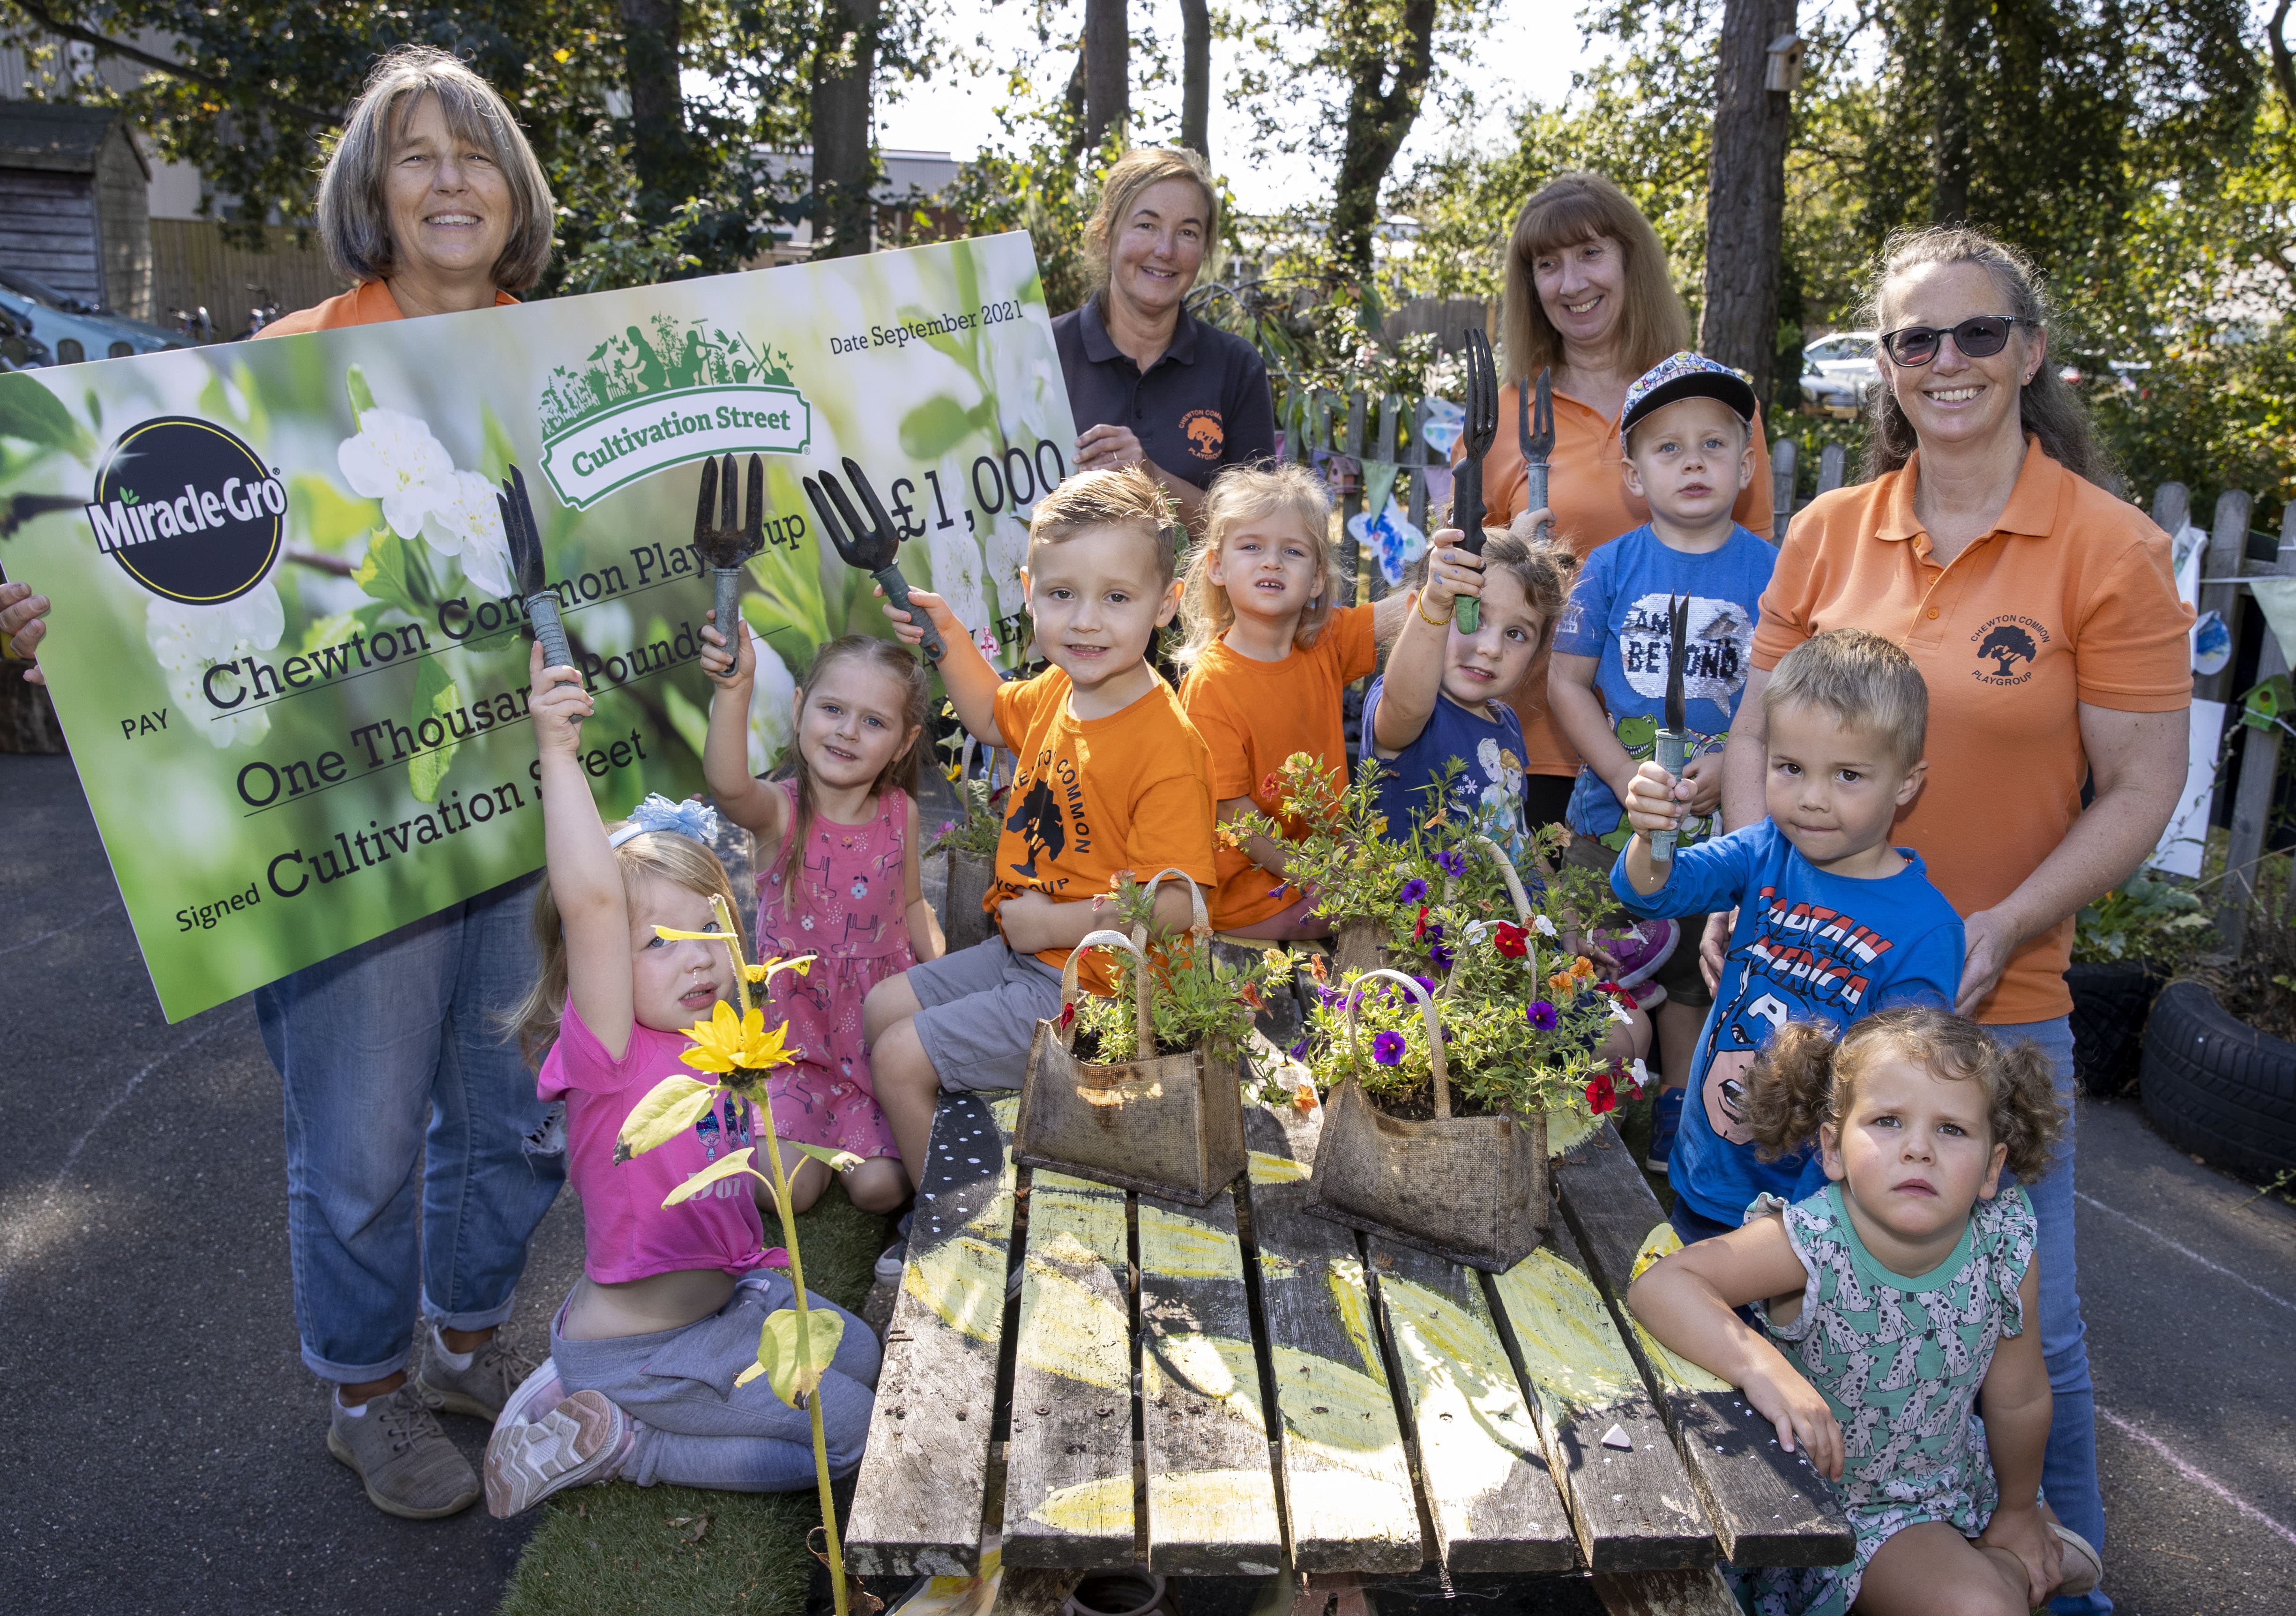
(1147, 383)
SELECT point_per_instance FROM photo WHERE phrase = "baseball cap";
(1685, 375)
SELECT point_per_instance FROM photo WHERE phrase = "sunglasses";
(1979, 337)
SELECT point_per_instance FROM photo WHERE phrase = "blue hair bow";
(692, 817)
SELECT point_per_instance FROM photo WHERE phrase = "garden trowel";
(1674, 740)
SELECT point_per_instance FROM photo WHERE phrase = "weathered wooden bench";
(1108, 1379)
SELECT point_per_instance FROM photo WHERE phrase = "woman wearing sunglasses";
(2044, 616)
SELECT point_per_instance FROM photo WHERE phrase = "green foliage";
(2146, 918)
(1194, 1000)
(975, 830)
(1336, 846)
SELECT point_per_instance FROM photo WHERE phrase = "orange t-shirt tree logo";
(1204, 432)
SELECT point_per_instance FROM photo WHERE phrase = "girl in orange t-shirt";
(1269, 652)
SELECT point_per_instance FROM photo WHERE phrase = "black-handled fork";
(1483, 430)
(727, 544)
(872, 547)
(526, 564)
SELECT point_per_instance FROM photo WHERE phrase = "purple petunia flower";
(1386, 1048)
(1453, 864)
(1438, 954)
(947, 825)
(1427, 982)
(1411, 891)
(1542, 1015)
(1299, 1051)
(1276, 891)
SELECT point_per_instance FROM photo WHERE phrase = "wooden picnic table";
(1244, 1389)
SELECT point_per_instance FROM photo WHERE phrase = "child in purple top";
(647, 1347)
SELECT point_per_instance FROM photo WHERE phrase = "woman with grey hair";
(394, 1054)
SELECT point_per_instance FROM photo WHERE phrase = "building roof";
(60, 136)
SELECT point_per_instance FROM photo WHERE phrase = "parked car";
(1837, 370)
(19, 349)
(72, 330)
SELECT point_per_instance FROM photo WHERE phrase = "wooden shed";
(72, 203)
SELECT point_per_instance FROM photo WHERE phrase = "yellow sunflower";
(731, 1042)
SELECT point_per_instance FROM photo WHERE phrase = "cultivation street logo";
(655, 396)
(187, 510)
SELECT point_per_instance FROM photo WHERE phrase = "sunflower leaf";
(674, 1106)
(791, 1376)
(835, 1160)
(724, 1166)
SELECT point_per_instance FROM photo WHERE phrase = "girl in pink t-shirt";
(843, 884)
(645, 1350)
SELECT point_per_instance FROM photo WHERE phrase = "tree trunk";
(1745, 193)
(1956, 47)
(1104, 63)
(1196, 77)
(657, 151)
(844, 167)
(1378, 119)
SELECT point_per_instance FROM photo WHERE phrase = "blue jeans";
(2069, 1469)
(392, 1054)
(696, 1427)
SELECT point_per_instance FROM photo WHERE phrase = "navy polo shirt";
(1204, 404)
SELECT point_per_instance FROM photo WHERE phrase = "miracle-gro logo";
(188, 510)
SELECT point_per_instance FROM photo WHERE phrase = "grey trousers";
(698, 1429)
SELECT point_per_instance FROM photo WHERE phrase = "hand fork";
(1537, 433)
(873, 548)
(1483, 430)
(728, 546)
(1673, 749)
(525, 542)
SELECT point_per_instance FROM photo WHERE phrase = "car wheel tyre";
(2216, 1087)
(2110, 1001)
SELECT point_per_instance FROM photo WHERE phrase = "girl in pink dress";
(843, 883)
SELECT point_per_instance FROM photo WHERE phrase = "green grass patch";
(634, 1549)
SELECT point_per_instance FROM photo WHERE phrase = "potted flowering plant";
(797, 1344)
(1336, 847)
(1155, 1101)
(1489, 1009)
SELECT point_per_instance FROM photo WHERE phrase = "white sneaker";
(584, 1438)
(893, 1260)
(539, 1391)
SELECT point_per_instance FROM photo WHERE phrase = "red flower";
(1626, 999)
(1251, 997)
(1601, 1096)
(1509, 940)
(1068, 1014)
(1267, 786)
(1419, 930)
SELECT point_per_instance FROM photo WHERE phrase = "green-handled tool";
(525, 542)
(1482, 429)
(1674, 740)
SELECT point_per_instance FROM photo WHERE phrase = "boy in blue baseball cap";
(1687, 432)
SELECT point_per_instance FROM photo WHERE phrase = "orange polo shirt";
(1253, 715)
(2070, 599)
(1586, 491)
(368, 303)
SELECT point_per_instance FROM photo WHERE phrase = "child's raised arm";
(585, 882)
(1654, 801)
(2016, 1402)
(759, 808)
(971, 683)
(1389, 611)
(1414, 668)
(1686, 1299)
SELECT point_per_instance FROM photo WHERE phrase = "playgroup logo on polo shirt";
(187, 510)
(651, 397)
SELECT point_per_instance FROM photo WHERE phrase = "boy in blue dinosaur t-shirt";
(1687, 432)
(1833, 922)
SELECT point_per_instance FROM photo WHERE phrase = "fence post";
(1783, 454)
(1351, 504)
(2172, 507)
(2227, 554)
(1828, 468)
(2259, 772)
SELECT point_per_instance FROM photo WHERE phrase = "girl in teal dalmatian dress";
(1898, 1358)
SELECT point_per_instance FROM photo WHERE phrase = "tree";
(1196, 76)
(1100, 92)
(1386, 50)
(659, 151)
(1745, 193)
(844, 160)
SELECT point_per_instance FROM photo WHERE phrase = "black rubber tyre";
(2110, 1004)
(2216, 1087)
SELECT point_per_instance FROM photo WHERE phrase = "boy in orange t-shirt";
(1268, 653)
(1111, 777)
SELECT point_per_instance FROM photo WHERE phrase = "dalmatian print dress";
(1899, 1362)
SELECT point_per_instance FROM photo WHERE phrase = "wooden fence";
(193, 268)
